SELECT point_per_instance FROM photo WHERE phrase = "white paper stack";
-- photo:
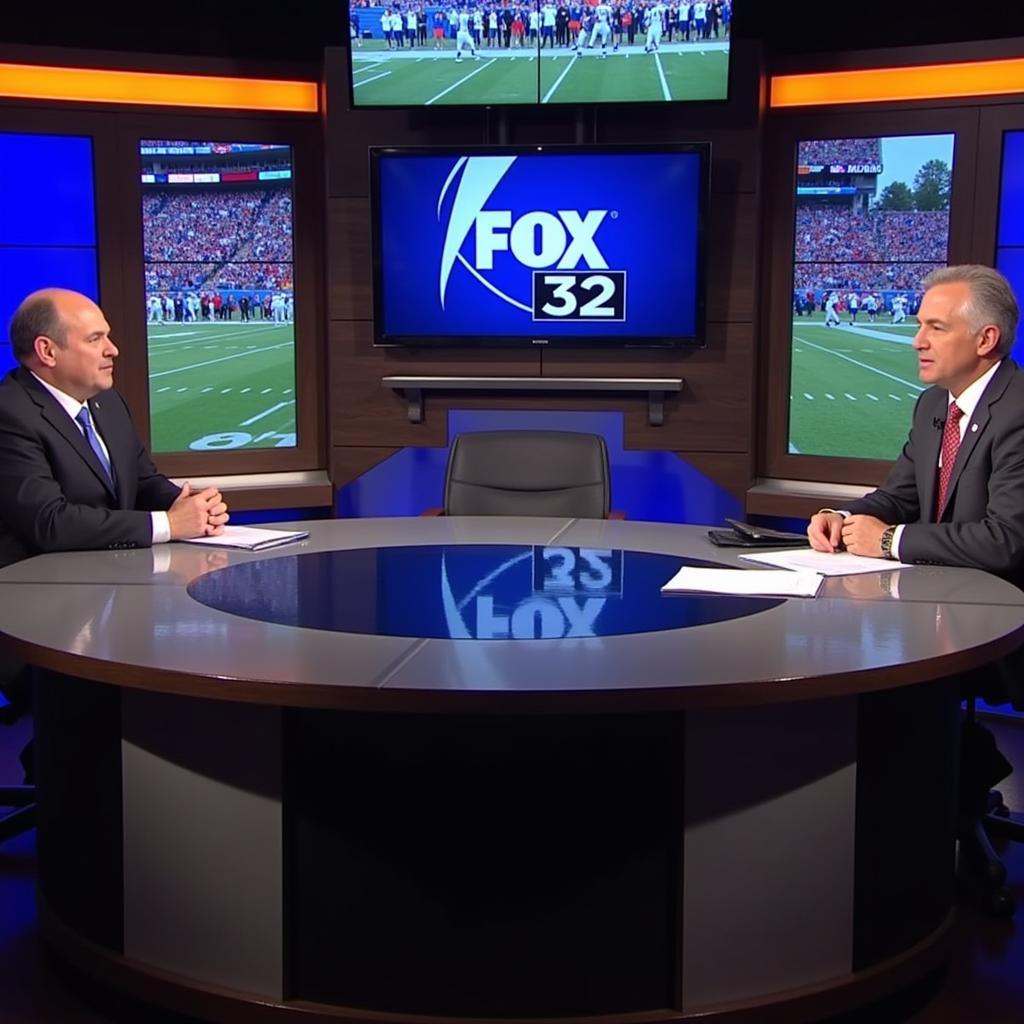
(838, 563)
(773, 582)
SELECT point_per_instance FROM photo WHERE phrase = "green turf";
(852, 394)
(428, 76)
(212, 386)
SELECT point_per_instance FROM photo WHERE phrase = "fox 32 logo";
(547, 263)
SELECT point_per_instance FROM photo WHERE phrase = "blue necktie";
(85, 420)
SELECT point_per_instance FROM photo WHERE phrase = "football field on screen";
(221, 385)
(431, 77)
(853, 389)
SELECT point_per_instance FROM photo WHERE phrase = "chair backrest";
(528, 473)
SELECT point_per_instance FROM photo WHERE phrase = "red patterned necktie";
(950, 446)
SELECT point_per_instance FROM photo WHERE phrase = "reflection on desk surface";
(469, 592)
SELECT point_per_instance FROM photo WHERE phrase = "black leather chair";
(984, 816)
(528, 473)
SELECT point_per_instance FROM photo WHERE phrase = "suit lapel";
(976, 427)
(58, 418)
(102, 422)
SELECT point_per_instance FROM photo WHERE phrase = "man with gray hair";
(955, 495)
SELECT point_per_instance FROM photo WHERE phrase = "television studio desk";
(273, 788)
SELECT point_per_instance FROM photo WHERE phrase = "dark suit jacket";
(54, 495)
(982, 524)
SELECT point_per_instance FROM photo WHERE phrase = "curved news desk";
(293, 809)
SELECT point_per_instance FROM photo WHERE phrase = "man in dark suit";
(73, 473)
(955, 495)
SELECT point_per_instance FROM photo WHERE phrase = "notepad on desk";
(250, 538)
(825, 563)
(763, 582)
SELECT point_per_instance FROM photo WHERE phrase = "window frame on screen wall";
(302, 134)
(785, 131)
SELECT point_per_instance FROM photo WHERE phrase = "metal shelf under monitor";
(413, 388)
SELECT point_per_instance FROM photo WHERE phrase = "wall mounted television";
(540, 245)
(484, 53)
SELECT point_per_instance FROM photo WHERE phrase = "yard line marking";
(176, 334)
(370, 66)
(863, 366)
(831, 398)
(266, 412)
(461, 81)
(160, 391)
(245, 391)
(203, 392)
(226, 391)
(266, 391)
(810, 398)
(895, 398)
(872, 397)
(287, 391)
(558, 80)
(661, 75)
(366, 81)
(222, 359)
(220, 335)
(182, 389)
(849, 396)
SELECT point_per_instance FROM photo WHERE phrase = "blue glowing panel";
(7, 360)
(539, 246)
(23, 270)
(480, 592)
(1010, 261)
(652, 486)
(46, 190)
(1011, 191)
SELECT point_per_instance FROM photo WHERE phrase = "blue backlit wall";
(47, 220)
(652, 486)
(1010, 240)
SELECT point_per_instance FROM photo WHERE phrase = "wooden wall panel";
(349, 278)
(712, 413)
(365, 413)
(709, 423)
(732, 270)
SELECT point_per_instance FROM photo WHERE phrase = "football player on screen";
(463, 39)
(655, 25)
(602, 28)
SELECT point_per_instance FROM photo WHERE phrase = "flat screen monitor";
(539, 245)
(482, 53)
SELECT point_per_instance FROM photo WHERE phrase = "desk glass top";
(470, 592)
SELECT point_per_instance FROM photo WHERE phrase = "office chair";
(528, 473)
(16, 802)
(984, 816)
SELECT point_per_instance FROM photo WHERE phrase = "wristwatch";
(885, 542)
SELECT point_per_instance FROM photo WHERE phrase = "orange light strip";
(925, 82)
(27, 81)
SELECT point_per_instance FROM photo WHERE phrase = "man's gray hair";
(991, 301)
(37, 315)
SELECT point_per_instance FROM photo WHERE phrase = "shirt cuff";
(161, 527)
(895, 549)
